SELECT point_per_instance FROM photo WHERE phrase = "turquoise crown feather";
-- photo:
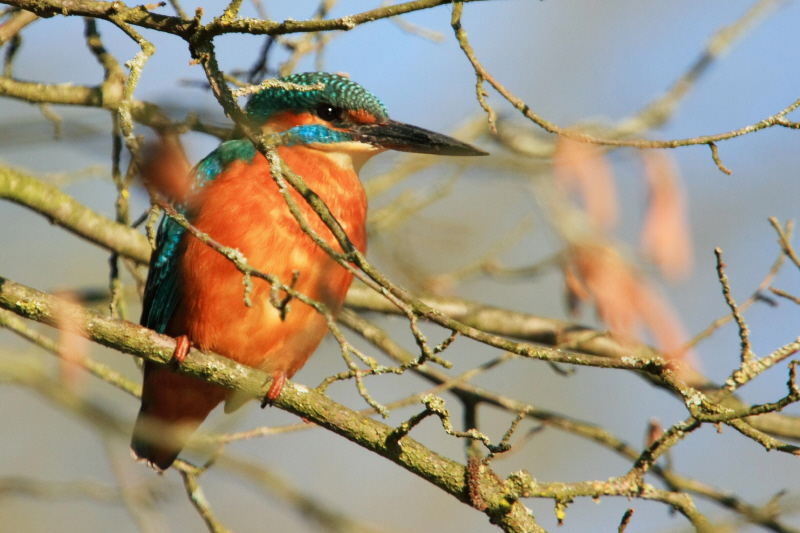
(338, 91)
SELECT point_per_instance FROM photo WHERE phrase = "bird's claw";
(278, 379)
(181, 349)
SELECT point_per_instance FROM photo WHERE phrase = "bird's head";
(344, 120)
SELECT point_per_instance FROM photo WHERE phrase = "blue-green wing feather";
(163, 289)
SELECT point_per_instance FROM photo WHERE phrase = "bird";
(331, 126)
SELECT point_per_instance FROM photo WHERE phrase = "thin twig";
(744, 331)
(197, 497)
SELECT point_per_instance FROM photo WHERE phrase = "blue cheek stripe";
(315, 134)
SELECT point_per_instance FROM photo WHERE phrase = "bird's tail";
(173, 406)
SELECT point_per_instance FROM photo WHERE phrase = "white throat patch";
(348, 155)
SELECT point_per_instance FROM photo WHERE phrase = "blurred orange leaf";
(576, 290)
(583, 169)
(625, 301)
(72, 346)
(666, 238)
(654, 432)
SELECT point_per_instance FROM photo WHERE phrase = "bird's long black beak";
(407, 138)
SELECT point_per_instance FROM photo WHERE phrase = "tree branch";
(191, 30)
(130, 338)
(63, 210)
(553, 332)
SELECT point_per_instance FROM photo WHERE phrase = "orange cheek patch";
(362, 117)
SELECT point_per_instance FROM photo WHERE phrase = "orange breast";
(243, 208)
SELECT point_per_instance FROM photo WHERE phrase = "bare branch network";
(571, 182)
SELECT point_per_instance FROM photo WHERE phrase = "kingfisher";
(196, 295)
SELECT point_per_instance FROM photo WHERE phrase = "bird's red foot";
(278, 379)
(181, 349)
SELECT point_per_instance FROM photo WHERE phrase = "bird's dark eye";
(326, 111)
